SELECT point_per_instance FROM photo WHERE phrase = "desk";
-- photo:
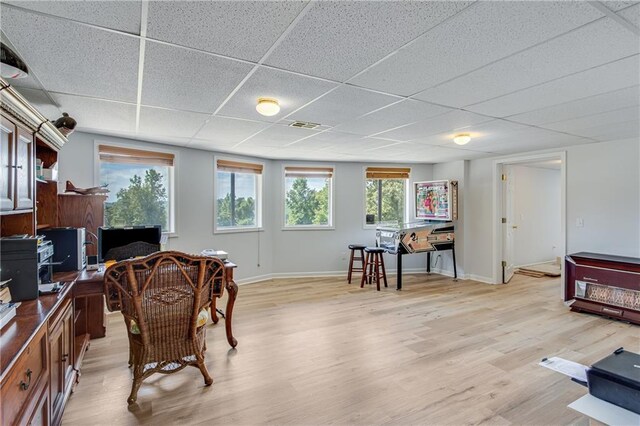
(604, 412)
(90, 307)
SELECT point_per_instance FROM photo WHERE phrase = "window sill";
(237, 230)
(308, 228)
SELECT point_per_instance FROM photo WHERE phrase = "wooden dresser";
(39, 363)
(604, 284)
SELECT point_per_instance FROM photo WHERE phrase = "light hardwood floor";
(318, 351)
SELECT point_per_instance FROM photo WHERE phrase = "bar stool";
(354, 248)
(374, 266)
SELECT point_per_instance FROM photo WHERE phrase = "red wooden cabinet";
(603, 284)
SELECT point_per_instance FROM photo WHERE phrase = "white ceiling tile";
(291, 90)
(337, 39)
(480, 133)
(428, 154)
(41, 102)
(629, 96)
(223, 131)
(603, 79)
(589, 46)
(277, 136)
(170, 124)
(188, 80)
(118, 15)
(618, 5)
(526, 139)
(71, 58)
(329, 140)
(580, 126)
(239, 29)
(342, 105)
(613, 131)
(632, 15)
(96, 115)
(485, 32)
(404, 112)
(449, 122)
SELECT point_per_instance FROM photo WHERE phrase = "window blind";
(116, 154)
(238, 167)
(308, 172)
(388, 172)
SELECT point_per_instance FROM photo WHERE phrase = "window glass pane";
(245, 199)
(385, 201)
(236, 195)
(393, 200)
(223, 199)
(139, 194)
(371, 213)
(307, 201)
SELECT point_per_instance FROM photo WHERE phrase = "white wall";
(258, 254)
(603, 188)
(536, 212)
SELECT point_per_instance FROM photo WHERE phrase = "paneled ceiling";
(387, 81)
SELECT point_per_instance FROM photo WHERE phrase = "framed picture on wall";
(434, 200)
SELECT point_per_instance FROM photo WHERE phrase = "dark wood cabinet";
(82, 211)
(603, 284)
(61, 366)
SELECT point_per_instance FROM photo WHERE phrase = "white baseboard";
(267, 277)
(481, 279)
(535, 263)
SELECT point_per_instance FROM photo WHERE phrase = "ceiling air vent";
(304, 125)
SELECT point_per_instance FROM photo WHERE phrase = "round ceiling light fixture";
(268, 106)
(462, 138)
(11, 66)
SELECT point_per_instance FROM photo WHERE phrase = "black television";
(127, 242)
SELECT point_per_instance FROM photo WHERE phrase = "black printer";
(616, 379)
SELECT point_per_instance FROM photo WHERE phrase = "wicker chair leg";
(137, 381)
(205, 373)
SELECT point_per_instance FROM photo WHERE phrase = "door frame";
(497, 206)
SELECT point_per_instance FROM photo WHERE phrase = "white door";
(508, 225)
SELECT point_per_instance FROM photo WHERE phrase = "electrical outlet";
(344, 255)
(579, 222)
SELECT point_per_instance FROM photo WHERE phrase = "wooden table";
(90, 307)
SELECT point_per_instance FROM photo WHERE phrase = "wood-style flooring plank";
(320, 351)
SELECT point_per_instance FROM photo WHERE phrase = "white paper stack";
(7, 311)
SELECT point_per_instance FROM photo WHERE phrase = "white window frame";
(259, 193)
(329, 227)
(407, 187)
(173, 195)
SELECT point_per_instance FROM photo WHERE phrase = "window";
(308, 197)
(238, 195)
(140, 184)
(385, 195)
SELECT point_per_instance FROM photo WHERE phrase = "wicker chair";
(164, 298)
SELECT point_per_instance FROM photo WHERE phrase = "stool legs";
(350, 267)
(365, 274)
(353, 258)
(374, 270)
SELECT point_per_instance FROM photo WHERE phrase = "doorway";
(529, 213)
